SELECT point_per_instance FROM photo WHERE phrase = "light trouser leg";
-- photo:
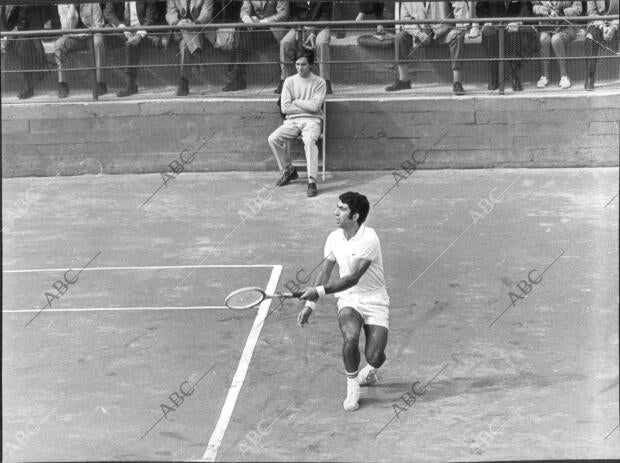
(278, 139)
(322, 53)
(287, 52)
(310, 133)
(99, 56)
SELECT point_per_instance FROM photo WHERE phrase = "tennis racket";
(246, 298)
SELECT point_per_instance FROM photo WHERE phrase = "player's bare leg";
(376, 340)
(351, 323)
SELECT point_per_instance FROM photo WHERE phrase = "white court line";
(231, 398)
(34, 270)
(118, 309)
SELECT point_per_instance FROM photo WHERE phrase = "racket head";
(245, 298)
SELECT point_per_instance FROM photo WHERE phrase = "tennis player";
(362, 297)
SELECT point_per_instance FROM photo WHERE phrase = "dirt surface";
(539, 382)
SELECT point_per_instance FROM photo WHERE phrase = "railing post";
(500, 65)
(93, 71)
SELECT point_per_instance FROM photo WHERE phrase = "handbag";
(226, 38)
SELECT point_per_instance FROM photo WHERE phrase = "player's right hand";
(303, 316)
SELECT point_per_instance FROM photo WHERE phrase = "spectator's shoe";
(564, 82)
(289, 174)
(63, 90)
(328, 87)
(278, 90)
(183, 89)
(516, 84)
(474, 31)
(131, 89)
(493, 85)
(542, 82)
(102, 88)
(26, 92)
(235, 84)
(589, 85)
(458, 89)
(312, 190)
(399, 85)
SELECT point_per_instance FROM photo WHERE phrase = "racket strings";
(245, 298)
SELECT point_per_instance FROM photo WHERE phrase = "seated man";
(310, 11)
(74, 16)
(302, 99)
(26, 52)
(597, 32)
(131, 14)
(254, 12)
(557, 35)
(517, 38)
(178, 14)
(413, 36)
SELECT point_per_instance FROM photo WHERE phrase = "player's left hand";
(309, 294)
(303, 316)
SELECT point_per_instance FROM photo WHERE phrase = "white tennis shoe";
(351, 403)
(542, 82)
(367, 376)
(564, 82)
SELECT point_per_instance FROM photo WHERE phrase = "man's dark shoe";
(312, 190)
(102, 88)
(235, 84)
(458, 89)
(289, 174)
(183, 89)
(516, 84)
(589, 85)
(131, 89)
(278, 90)
(63, 90)
(399, 85)
(328, 87)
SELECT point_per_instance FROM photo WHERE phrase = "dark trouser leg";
(593, 37)
(490, 43)
(456, 45)
(514, 42)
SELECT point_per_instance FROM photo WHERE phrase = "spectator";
(557, 35)
(254, 12)
(517, 38)
(597, 32)
(413, 36)
(26, 52)
(131, 14)
(186, 12)
(302, 100)
(310, 40)
(73, 16)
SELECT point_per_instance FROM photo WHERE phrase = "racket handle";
(295, 294)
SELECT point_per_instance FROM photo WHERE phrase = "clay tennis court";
(140, 360)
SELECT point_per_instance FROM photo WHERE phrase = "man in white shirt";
(302, 100)
(362, 298)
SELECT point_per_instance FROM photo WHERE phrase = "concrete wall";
(373, 133)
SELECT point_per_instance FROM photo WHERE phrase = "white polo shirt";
(363, 245)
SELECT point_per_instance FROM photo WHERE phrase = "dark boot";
(63, 90)
(183, 89)
(102, 88)
(130, 89)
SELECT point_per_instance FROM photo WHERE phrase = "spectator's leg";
(545, 51)
(310, 133)
(403, 41)
(559, 41)
(277, 142)
(236, 79)
(322, 53)
(132, 58)
(593, 37)
(514, 44)
(471, 13)
(100, 53)
(287, 53)
(456, 44)
(183, 88)
(490, 43)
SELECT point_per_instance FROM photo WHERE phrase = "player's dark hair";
(357, 203)
(305, 53)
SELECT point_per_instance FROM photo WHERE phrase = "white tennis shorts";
(374, 310)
